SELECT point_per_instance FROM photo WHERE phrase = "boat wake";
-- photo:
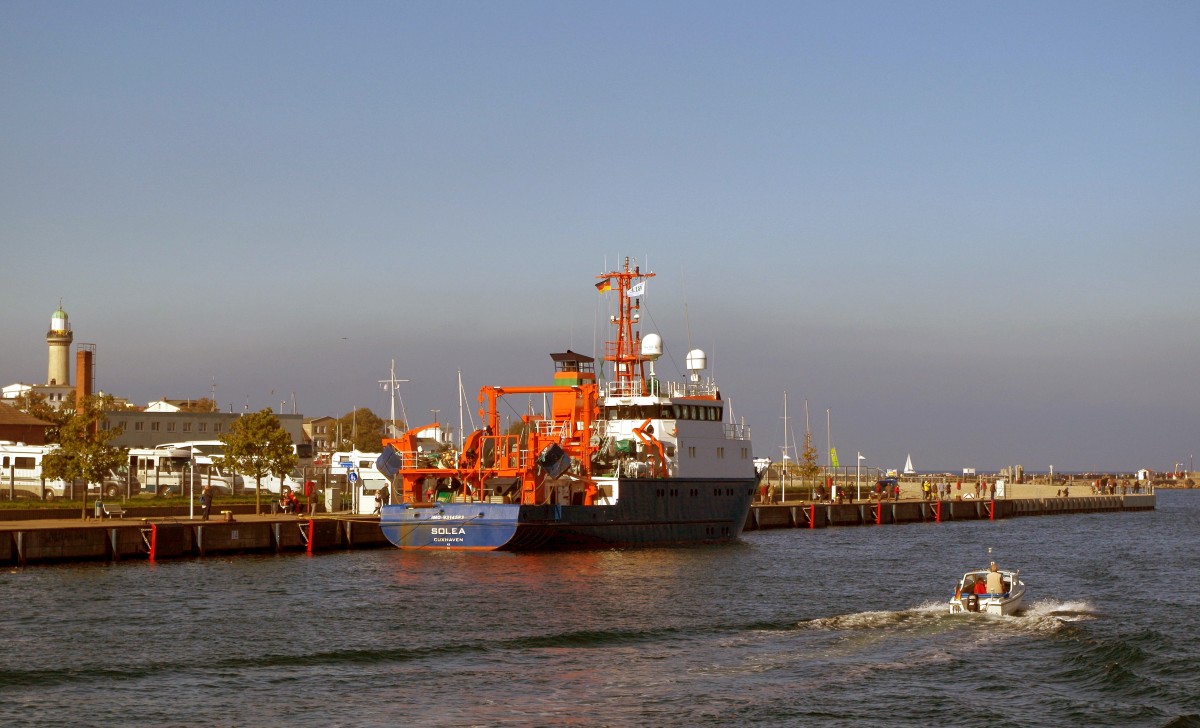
(913, 617)
(1037, 617)
(1065, 611)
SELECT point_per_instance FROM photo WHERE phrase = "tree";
(257, 446)
(361, 430)
(83, 450)
(204, 404)
(34, 404)
(808, 459)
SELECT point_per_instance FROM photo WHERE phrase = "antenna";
(687, 319)
(391, 385)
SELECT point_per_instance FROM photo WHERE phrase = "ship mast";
(625, 352)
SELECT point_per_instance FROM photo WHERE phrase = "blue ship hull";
(648, 513)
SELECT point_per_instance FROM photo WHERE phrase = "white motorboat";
(973, 594)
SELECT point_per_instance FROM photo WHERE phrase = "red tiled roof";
(10, 415)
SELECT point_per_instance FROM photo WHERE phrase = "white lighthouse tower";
(59, 340)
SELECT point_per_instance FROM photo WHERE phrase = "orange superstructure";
(510, 467)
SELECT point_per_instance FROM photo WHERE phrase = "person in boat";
(995, 582)
(980, 587)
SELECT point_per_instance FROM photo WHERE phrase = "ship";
(622, 460)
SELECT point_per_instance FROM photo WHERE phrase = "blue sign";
(346, 464)
(353, 477)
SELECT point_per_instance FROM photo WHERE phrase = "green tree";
(83, 450)
(35, 405)
(361, 430)
(204, 404)
(256, 446)
(808, 459)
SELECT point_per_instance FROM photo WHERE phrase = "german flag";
(604, 286)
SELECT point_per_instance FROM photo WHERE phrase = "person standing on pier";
(310, 492)
(206, 497)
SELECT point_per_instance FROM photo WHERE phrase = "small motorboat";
(973, 593)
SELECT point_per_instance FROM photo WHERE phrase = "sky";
(962, 231)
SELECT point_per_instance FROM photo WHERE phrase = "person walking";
(206, 499)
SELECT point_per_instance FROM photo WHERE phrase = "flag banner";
(638, 290)
(833, 457)
(604, 286)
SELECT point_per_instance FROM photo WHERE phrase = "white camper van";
(21, 472)
(362, 477)
(21, 475)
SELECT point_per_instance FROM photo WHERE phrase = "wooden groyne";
(822, 515)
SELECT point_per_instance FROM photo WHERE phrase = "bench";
(113, 510)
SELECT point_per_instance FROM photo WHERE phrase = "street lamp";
(858, 475)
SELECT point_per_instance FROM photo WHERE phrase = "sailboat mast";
(786, 469)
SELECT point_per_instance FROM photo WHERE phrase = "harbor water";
(836, 626)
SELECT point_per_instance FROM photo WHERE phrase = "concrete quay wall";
(47, 542)
(822, 515)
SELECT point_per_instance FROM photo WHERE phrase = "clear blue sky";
(967, 230)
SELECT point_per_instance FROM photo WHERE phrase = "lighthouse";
(59, 340)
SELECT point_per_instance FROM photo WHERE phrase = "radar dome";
(696, 360)
(651, 346)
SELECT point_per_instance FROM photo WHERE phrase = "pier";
(46, 541)
(38, 537)
(824, 515)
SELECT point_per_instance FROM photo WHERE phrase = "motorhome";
(362, 478)
(208, 454)
(169, 470)
(21, 475)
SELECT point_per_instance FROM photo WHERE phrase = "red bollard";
(812, 516)
(153, 540)
(991, 510)
(937, 512)
(311, 528)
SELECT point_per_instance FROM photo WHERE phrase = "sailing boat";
(908, 468)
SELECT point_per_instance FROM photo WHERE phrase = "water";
(839, 626)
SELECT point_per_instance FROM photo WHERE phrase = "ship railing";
(625, 389)
(736, 431)
(655, 387)
(551, 428)
(504, 451)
